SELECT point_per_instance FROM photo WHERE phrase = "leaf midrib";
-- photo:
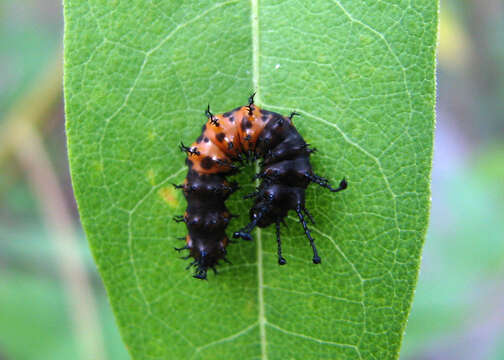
(254, 6)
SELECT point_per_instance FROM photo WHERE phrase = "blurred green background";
(52, 303)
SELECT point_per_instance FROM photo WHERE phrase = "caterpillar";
(241, 135)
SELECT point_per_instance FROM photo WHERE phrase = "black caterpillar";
(245, 133)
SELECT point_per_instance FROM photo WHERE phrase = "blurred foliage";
(30, 32)
(457, 308)
(471, 66)
(34, 314)
(463, 258)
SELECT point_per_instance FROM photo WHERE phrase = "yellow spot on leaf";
(168, 195)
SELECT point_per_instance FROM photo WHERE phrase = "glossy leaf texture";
(138, 76)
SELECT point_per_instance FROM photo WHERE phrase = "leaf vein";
(228, 338)
(314, 339)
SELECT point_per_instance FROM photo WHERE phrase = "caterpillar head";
(206, 255)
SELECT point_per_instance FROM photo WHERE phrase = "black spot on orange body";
(246, 124)
(207, 162)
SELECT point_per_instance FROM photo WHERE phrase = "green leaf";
(138, 76)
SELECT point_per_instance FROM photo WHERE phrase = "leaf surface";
(138, 76)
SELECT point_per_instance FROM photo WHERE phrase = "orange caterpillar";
(244, 133)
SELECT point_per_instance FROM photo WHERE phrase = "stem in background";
(33, 107)
(21, 139)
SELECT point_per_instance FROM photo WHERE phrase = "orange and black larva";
(245, 133)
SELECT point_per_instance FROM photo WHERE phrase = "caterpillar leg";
(245, 232)
(309, 215)
(179, 218)
(191, 264)
(281, 260)
(325, 183)
(292, 114)
(186, 247)
(316, 257)
(251, 195)
(200, 274)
